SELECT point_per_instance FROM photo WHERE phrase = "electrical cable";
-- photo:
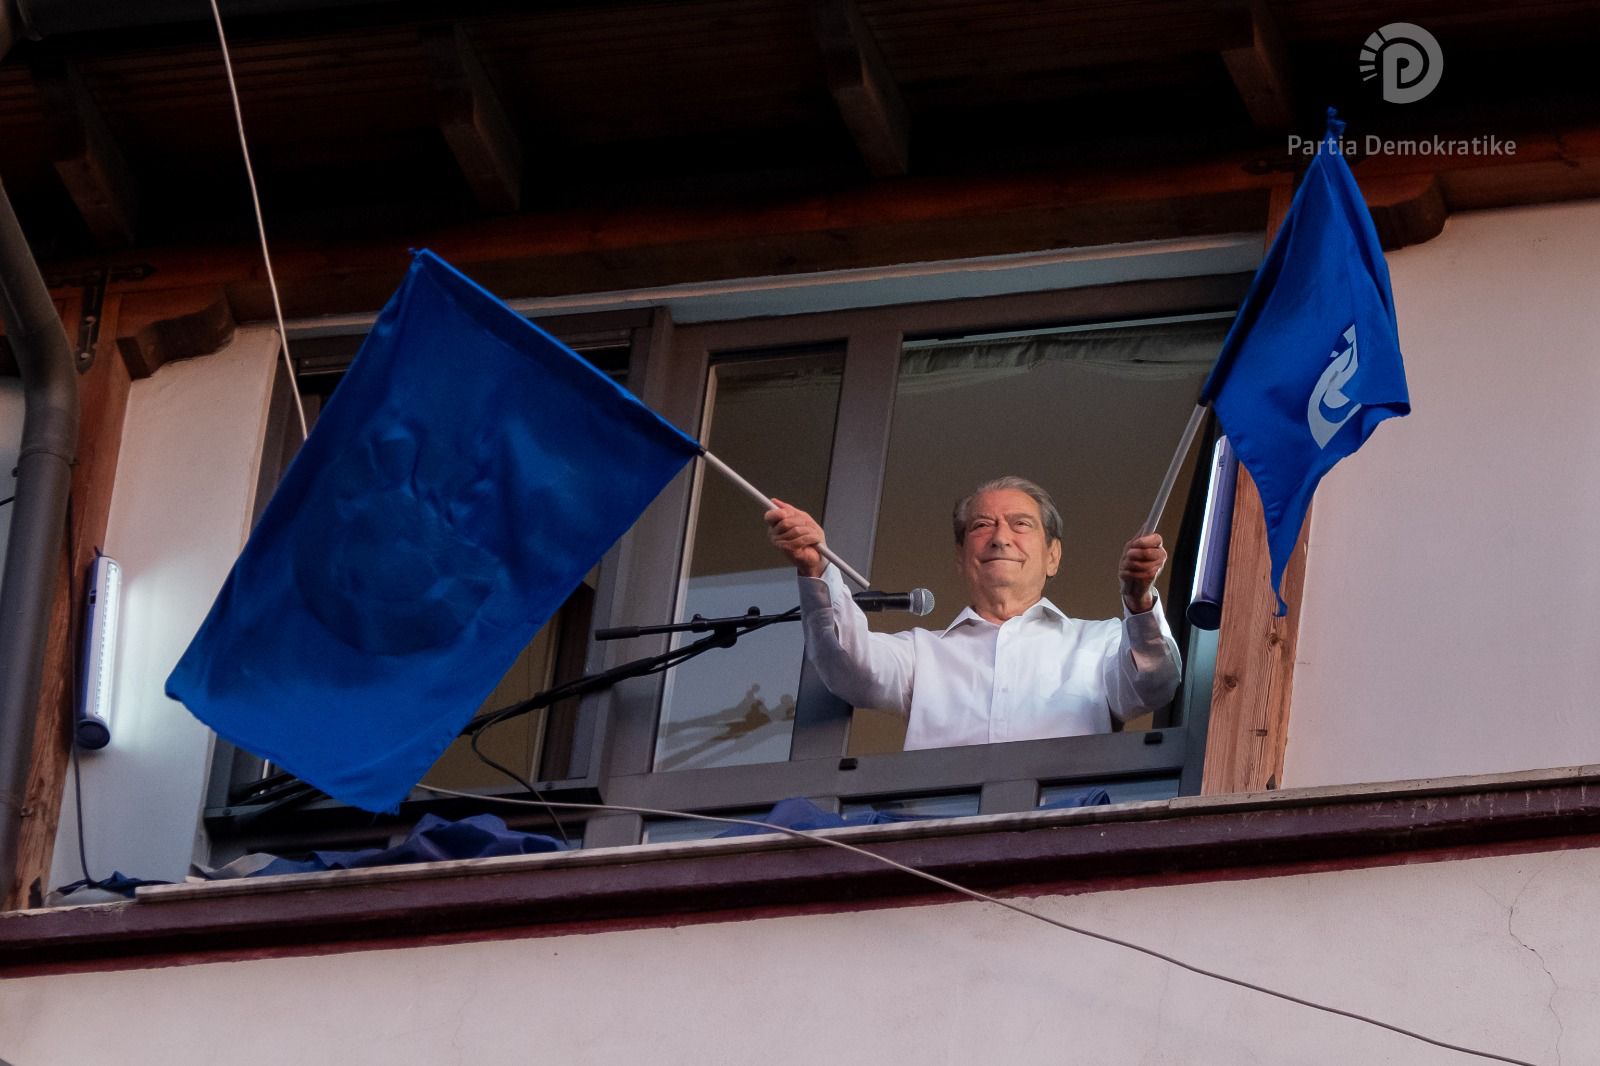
(506, 714)
(550, 804)
(74, 691)
(476, 729)
(77, 795)
(972, 893)
(261, 225)
(75, 694)
(527, 786)
(283, 333)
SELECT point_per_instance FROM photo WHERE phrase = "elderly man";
(1011, 666)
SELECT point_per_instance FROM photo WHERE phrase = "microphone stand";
(283, 790)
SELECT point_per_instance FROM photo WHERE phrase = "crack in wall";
(1555, 987)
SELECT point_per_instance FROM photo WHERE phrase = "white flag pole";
(766, 504)
(1196, 420)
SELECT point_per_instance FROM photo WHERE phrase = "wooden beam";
(473, 120)
(155, 328)
(1255, 650)
(1406, 210)
(862, 87)
(554, 253)
(1259, 65)
(85, 154)
(103, 393)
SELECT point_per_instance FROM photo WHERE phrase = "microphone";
(918, 601)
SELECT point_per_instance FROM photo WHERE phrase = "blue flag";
(1312, 363)
(467, 474)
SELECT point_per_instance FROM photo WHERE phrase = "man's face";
(1005, 548)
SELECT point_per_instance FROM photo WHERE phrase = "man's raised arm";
(863, 668)
(1144, 674)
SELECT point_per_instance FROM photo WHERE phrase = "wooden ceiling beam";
(1406, 210)
(1259, 66)
(473, 120)
(917, 219)
(85, 154)
(866, 94)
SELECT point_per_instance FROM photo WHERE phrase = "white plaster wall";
(1448, 624)
(180, 512)
(1491, 952)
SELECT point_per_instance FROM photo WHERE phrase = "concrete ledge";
(1194, 838)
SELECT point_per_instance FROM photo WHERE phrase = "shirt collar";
(1041, 609)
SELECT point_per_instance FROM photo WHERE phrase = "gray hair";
(1047, 507)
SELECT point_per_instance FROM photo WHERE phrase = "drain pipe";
(44, 476)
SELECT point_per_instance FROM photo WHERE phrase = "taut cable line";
(261, 225)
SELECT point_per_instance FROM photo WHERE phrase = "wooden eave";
(367, 130)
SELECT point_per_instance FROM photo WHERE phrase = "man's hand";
(1142, 559)
(797, 535)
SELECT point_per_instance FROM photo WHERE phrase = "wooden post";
(104, 396)
(1255, 650)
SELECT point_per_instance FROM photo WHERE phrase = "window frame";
(642, 579)
(1007, 777)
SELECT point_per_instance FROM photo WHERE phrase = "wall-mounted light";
(93, 726)
(1216, 530)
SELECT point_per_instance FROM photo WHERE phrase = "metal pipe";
(38, 513)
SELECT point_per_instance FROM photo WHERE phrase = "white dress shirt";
(1040, 674)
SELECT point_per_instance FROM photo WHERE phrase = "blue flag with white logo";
(466, 475)
(1312, 363)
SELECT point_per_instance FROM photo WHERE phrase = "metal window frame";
(641, 581)
(1007, 777)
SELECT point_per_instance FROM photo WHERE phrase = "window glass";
(676, 830)
(1137, 790)
(772, 420)
(1093, 415)
(949, 805)
(520, 744)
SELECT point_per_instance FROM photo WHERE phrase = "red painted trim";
(511, 901)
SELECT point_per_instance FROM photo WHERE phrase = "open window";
(874, 420)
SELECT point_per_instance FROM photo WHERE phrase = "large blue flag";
(1312, 363)
(467, 474)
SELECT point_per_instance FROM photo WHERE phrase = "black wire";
(526, 785)
(75, 692)
(7, 500)
(476, 729)
(77, 790)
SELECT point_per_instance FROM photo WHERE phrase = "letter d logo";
(1409, 58)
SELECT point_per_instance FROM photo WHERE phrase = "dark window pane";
(771, 420)
(1093, 415)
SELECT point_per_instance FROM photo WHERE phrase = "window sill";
(1183, 839)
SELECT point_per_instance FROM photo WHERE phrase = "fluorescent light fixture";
(93, 726)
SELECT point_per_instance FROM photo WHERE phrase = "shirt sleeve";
(1143, 673)
(863, 668)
